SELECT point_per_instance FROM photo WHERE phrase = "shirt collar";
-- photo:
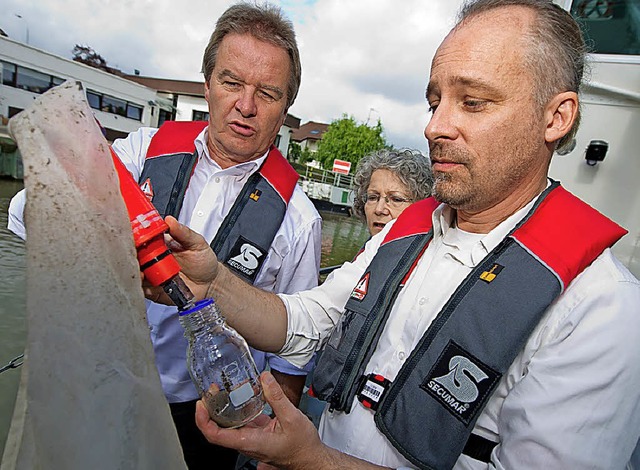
(241, 169)
(500, 232)
(443, 219)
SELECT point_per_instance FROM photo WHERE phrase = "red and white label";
(147, 189)
(361, 289)
(341, 166)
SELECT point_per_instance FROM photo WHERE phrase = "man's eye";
(229, 84)
(474, 104)
(267, 96)
(432, 107)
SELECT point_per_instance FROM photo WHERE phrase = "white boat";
(604, 167)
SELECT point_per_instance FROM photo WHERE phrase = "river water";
(341, 239)
(12, 307)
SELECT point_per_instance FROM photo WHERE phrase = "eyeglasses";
(393, 201)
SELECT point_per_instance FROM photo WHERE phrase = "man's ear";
(560, 114)
(206, 90)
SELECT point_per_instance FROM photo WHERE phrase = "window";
(31, 80)
(37, 82)
(134, 112)
(610, 26)
(164, 116)
(114, 105)
(28, 79)
(200, 116)
(94, 99)
(13, 111)
(8, 74)
(109, 104)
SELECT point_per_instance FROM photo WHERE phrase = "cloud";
(356, 56)
(360, 54)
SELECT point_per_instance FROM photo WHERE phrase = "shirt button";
(200, 213)
(401, 355)
(422, 301)
(217, 180)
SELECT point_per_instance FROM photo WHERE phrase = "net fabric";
(90, 395)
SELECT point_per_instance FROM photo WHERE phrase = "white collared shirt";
(292, 262)
(571, 398)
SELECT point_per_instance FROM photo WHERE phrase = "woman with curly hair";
(387, 182)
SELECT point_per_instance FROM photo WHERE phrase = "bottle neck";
(201, 316)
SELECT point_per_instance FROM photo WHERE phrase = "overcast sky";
(367, 58)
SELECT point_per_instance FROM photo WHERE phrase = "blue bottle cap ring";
(199, 305)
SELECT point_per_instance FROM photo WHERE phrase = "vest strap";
(371, 390)
(479, 448)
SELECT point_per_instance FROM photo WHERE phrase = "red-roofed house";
(309, 135)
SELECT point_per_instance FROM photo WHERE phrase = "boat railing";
(320, 175)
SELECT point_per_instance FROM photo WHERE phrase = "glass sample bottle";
(221, 366)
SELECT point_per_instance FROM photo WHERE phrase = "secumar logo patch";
(460, 382)
(246, 258)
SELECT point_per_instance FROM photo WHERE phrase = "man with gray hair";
(488, 327)
(225, 179)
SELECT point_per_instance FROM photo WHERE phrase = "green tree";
(306, 155)
(294, 151)
(345, 139)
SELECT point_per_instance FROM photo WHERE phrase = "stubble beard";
(448, 191)
(476, 189)
(450, 188)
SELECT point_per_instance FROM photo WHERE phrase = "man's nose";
(246, 104)
(442, 124)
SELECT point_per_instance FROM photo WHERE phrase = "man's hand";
(240, 302)
(196, 258)
(288, 441)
